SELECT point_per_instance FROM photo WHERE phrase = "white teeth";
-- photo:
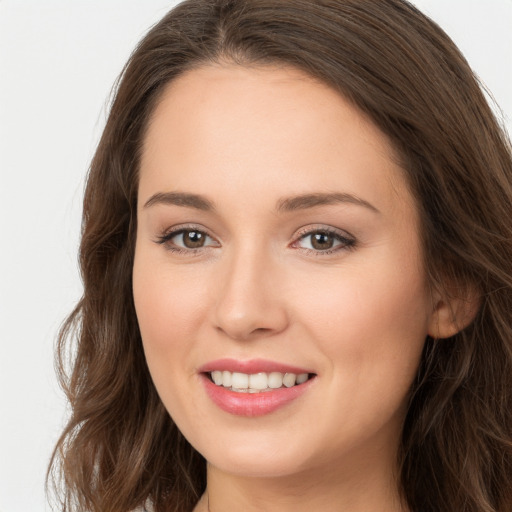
(303, 377)
(217, 377)
(258, 381)
(289, 379)
(275, 380)
(226, 379)
(254, 383)
(240, 380)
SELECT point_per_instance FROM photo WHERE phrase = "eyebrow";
(289, 204)
(305, 201)
(180, 199)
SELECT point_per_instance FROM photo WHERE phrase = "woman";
(296, 261)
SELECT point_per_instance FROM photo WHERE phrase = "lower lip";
(253, 404)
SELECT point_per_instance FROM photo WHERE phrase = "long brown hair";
(120, 447)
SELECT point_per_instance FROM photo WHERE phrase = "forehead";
(260, 127)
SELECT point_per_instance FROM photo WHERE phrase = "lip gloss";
(252, 404)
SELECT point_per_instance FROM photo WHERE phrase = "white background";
(58, 61)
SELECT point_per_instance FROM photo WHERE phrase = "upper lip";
(251, 366)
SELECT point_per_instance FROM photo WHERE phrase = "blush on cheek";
(168, 308)
(370, 313)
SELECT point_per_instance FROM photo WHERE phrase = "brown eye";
(187, 239)
(322, 241)
(192, 239)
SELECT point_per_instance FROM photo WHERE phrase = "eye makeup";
(317, 240)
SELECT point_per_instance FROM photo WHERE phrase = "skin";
(244, 139)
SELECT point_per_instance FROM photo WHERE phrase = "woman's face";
(276, 236)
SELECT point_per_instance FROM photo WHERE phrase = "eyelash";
(347, 242)
(166, 237)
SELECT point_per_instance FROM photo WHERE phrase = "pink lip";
(252, 404)
(250, 367)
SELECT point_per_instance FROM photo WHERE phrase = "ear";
(453, 311)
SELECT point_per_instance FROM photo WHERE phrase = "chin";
(259, 466)
(257, 455)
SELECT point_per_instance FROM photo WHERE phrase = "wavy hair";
(120, 449)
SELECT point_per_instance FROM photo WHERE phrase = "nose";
(250, 301)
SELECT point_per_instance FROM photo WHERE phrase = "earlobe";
(453, 313)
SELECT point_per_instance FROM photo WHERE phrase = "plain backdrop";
(58, 61)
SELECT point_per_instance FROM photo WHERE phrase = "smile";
(256, 382)
(256, 387)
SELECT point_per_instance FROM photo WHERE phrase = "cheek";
(169, 306)
(371, 321)
(370, 327)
